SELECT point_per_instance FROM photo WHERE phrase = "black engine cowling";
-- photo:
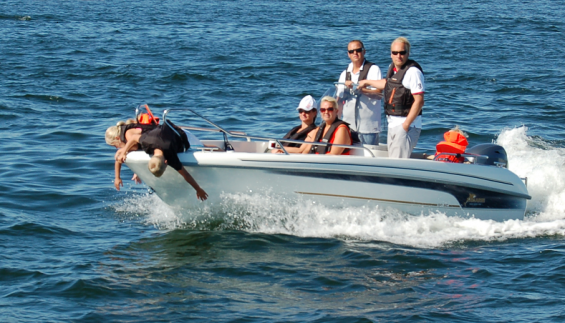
(496, 155)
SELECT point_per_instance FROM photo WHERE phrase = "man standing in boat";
(404, 98)
(361, 109)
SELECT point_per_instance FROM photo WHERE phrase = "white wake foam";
(543, 165)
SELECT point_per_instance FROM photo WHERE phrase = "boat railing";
(473, 158)
(212, 130)
(239, 134)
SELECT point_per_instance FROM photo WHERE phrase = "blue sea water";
(73, 249)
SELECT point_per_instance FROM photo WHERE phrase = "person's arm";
(290, 150)
(200, 193)
(342, 137)
(121, 154)
(414, 111)
(305, 148)
(117, 180)
(415, 80)
(371, 93)
(136, 179)
(374, 74)
(339, 94)
(379, 84)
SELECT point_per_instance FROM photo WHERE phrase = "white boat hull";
(414, 186)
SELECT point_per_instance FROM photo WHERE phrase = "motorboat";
(239, 163)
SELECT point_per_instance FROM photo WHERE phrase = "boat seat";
(206, 148)
(378, 151)
(249, 146)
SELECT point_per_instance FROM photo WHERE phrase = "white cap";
(307, 103)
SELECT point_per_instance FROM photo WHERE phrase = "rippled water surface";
(74, 249)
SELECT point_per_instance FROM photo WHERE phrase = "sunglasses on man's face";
(300, 111)
(403, 52)
(328, 110)
(357, 50)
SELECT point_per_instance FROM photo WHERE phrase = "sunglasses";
(304, 111)
(358, 50)
(396, 53)
(328, 109)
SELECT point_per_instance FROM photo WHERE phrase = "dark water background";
(72, 249)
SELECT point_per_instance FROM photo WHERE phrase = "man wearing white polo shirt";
(403, 101)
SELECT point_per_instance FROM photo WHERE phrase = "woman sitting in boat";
(455, 143)
(118, 136)
(164, 142)
(307, 113)
(332, 130)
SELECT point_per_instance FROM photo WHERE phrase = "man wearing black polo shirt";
(404, 90)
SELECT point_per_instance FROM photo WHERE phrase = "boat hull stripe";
(374, 199)
(466, 196)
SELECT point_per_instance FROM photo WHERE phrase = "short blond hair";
(404, 41)
(157, 165)
(330, 99)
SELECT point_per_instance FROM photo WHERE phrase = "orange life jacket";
(329, 137)
(454, 143)
(147, 118)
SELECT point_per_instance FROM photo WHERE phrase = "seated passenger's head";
(455, 142)
(307, 110)
(459, 131)
(328, 109)
(157, 165)
(113, 135)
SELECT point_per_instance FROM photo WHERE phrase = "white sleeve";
(414, 80)
(342, 77)
(340, 88)
(374, 73)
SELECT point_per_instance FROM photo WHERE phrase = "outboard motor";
(496, 155)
